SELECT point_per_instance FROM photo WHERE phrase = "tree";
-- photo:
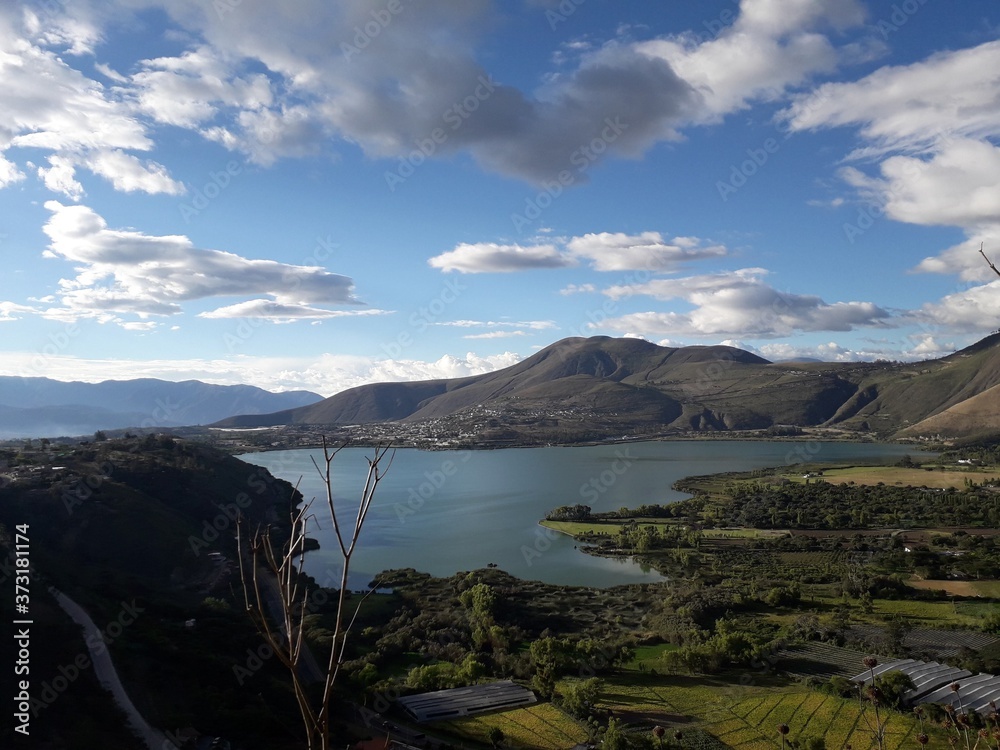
(276, 600)
(614, 736)
(892, 685)
(496, 736)
(579, 698)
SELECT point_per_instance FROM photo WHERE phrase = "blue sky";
(318, 195)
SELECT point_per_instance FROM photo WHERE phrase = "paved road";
(108, 676)
(309, 669)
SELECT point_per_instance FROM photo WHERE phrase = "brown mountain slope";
(613, 386)
(979, 415)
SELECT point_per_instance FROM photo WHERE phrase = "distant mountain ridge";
(605, 386)
(42, 407)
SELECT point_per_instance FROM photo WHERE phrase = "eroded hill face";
(596, 387)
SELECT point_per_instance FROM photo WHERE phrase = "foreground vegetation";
(779, 585)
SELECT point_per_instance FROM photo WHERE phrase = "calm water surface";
(447, 511)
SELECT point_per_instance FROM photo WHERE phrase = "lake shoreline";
(448, 511)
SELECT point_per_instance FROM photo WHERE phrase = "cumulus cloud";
(51, 106)
(535, 325)
(970, 310)
(123, 271)
(278, 312)
(490, 257)
(931, 127)
(647, 251)
(12, 311)
(964, 259)
(957, 186)
(189, 89)
(913, 107)
(739, 304)
(605, 251)
(310, 77)
(495, 335)
(769, 47)
(577, 289)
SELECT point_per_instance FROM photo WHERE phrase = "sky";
(316, 195)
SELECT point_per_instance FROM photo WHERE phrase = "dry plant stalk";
(270, 575)
(988, 261)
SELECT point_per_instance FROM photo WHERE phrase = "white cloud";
(277, 312)
(128, 174)
(297, 82)
(12, 311)
(912, 107)
(123, 271)
(964, 259)
(190, 89)
(973, 310)
(770, 47)
(927, 347)
(604, 251)
(738, 304)
(63, 25)
(578, 289)
(647, 251)
(60, 177)
(930, 124)
(535, 325)
(495, 335)
(957, 186)
(489, 257)
(51, 106)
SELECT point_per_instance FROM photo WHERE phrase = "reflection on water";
(447, 511)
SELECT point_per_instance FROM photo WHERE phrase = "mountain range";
(595, 387)
(41, 407)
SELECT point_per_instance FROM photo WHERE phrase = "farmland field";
(539, 727)
(900, 475)
(747, 716)
(820, 660)
(987, 588)
(952, 588)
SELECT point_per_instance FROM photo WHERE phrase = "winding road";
(108, 676)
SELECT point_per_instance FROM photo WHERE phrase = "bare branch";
(988, 261)
(281, 571)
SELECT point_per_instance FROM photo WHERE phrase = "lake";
(447, 511)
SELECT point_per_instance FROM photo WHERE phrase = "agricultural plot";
(900, 475)
(747, 717)
(820, 660)
(987, 588)
(540, 727)
(650, 657)
(931, 643)
(809, 567)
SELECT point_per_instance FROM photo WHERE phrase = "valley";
(753, 622)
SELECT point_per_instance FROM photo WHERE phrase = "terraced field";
(747, 717)
(539, 727)
(820, 660)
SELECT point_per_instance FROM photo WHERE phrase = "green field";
(582, 528)
(612, 527)
(650, 657)
(904, 476)
(540, 727)
(987, 588)
(748, 716)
